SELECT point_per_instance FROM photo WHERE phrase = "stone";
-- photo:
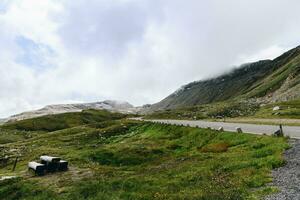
(276, 108)
(2, 178)
(37, 168)
(239, 130)
(63, 165)
(279, 132)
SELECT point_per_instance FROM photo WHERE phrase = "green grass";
(124, 159)
(275, 80)
(233, 111)
(63, 121)
(289, 109)
(228, 109)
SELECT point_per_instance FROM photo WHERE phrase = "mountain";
(266, 81)
(2, 121)
(114, 106)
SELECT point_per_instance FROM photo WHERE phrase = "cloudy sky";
(64, 51)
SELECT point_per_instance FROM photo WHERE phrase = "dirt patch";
(59, 181)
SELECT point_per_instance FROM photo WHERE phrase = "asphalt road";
(292, 131)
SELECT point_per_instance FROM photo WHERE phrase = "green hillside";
(234, 109)
(268, 81)
(63, 121)
(125, 159)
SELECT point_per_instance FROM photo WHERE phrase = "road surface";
(291, 131)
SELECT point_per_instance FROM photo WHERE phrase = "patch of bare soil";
(59, 181)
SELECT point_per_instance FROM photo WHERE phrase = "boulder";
(276, 108)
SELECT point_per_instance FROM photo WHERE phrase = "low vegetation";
(114, 158)
(208, 111)
(288, 109)
(63, 121)
(236, 111)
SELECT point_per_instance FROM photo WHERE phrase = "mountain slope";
(267, 80)
(63, 120)
(114, 106)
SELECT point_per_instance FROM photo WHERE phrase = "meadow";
(112, 157)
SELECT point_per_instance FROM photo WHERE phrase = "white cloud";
(134, 50)
(265, 54)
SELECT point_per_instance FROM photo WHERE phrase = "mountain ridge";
(265, 80)
(110, 105)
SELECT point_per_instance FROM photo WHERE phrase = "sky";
(140, 51)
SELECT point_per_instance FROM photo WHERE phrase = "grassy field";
(63, 121)
(124, 159)
(289, 109)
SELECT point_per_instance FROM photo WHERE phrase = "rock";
(276, 108)
(2, 178)
(13, 150)
(221, 129)
(278, 133)
(239, 130)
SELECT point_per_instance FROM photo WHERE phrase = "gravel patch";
(287, 178)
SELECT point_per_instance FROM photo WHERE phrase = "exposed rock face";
(114, 106)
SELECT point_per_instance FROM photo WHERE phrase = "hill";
(114, 106)
(63, 121)
(112, 157)
(266, 81)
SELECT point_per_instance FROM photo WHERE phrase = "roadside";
(287, 122)
(291, 131)
(287, 178)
